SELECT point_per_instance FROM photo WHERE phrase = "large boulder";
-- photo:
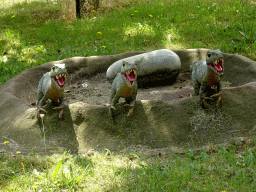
(155, 67)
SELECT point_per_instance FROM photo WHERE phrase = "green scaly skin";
(125, 85)
(206, 77)
(51, 86)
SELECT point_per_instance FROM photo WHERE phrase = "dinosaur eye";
(53, 67)
(209, 55)
(123, 64)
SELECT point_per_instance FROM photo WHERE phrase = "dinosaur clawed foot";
(217, 95)
(130, 113)
(111, 109)
(40, 111)
(131, 110)
(220, 101)
(128, 105)
(61, 108)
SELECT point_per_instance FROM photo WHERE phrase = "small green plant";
(65, 180)
(7, 147)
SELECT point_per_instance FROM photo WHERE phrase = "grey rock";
(158, 65)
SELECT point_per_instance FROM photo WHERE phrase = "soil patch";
(96, 90)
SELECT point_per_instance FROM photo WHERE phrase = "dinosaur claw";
(220, 101)
(128, 105)
(41, 109)
(205, 104)
(58, 108)
(39, 114)
(61, 113)
(217, 95)
(131, 111)
(111, 112)
(61, 108)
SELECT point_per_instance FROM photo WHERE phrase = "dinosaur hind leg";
(196, 86)
(40, 110)
(130, 103)
(113, 102)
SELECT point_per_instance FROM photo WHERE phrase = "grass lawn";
(33, 32)
(229, 168)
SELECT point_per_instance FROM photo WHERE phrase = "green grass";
(33, 32)
(229, 168)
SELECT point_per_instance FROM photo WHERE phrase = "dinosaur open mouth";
(60, 79)
(130, 76)
(218, 65)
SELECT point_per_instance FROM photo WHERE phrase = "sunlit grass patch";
(215, 169)
(139, 29)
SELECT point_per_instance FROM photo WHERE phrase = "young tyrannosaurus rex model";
(51, 86)
(125, 85)
(206, 77)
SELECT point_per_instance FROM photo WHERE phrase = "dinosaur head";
(58, 74)
(214, 60)
(129, 71)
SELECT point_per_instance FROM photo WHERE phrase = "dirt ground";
(96, 90)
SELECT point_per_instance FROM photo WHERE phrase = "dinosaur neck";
(211, 70)
(212, 77)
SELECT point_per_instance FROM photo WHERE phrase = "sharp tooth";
(60, 76)
(65, 75)
(57, 77)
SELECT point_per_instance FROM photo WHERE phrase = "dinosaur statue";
(206, 77)
(125, 85)
(51, 86)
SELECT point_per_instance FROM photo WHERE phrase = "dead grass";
(208, 119)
